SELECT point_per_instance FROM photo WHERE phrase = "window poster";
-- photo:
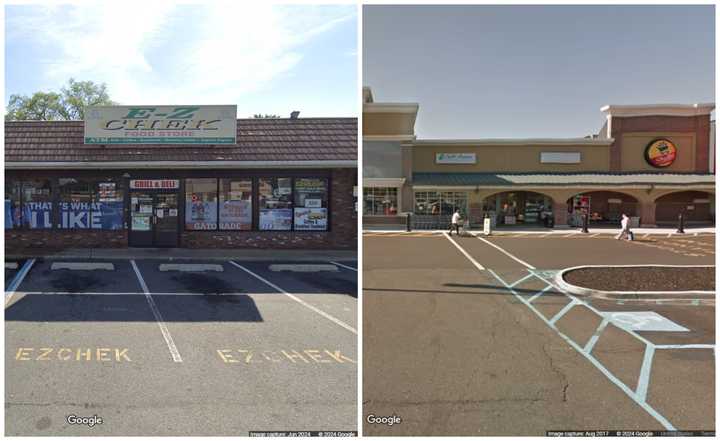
(276, 219)
(110, 214)
(37, 215)
(236, 215)
(107, 192)
(8, 215)
(200, 215)
(309, 219)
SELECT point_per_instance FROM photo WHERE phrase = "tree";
(69, 104)
(266, 116)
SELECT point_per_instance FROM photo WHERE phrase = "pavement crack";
(558, 372)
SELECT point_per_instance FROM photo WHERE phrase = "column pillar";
(560, 213)
(647, 214)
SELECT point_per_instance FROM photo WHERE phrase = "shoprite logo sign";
(660, 153)
(161, 125)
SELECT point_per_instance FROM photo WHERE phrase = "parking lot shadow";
(132, 308)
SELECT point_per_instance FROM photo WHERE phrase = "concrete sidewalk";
(185, 254)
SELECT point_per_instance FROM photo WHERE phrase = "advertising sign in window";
(276, 219)
(308, 219)
(37, 215)
(311, 204)
(200, 215)
(235, 204)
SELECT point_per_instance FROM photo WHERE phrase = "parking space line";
(465, 253)
(158, 317)
(596, 336)
(563, 311)
(344, 266)
(300, 301)
(19, 277)
(538, 294)
(522, 279)
(609, 375)
(503, 251)
(644, 377)
(632, 394)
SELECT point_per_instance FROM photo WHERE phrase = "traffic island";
(647, 282)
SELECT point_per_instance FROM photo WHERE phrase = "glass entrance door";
(153, 219)
(166, 220)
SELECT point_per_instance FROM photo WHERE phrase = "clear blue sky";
(535, 71)
(264, 58)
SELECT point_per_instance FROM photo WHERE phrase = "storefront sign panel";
(311, 219)
(455, 158)
(161, 125)
(154, 184)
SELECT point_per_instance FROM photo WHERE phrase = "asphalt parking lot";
(469, 336)
(218, 348)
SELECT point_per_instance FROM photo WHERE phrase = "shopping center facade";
(651, 162)
(273, 183)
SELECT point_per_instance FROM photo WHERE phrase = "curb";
(633, 295)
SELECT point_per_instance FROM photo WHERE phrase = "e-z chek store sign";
(161, 125)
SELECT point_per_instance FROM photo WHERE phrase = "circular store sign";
(660, 153)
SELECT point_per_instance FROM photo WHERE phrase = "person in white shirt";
(455, 222)
(625, 225)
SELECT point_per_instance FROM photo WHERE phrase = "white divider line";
(504, 252)
(465, 253)
(644, 379)
(158, 317)
(344, 266)
(300, 301)
(563, 311)
(591, 343)
(517, 282)
(19, 277)
(538, 294)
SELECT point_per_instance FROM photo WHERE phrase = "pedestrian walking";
(455, 222)
(625, 228)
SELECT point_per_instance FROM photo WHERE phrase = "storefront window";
(37, 204)
(275, 200)
(75, 204)
(380, 201)
(311, 204)
(109, 202)
(201, 204)
(437, 203)
(13, 210)
(235, 204)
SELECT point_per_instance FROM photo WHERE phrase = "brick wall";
(700, 125)
(18, 241)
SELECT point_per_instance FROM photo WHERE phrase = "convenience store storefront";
(651, 162)
(272, 187)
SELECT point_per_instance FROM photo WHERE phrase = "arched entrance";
(697, 207)
(602, 207)
(518, 208)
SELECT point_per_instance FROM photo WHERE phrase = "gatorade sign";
(660, 153)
